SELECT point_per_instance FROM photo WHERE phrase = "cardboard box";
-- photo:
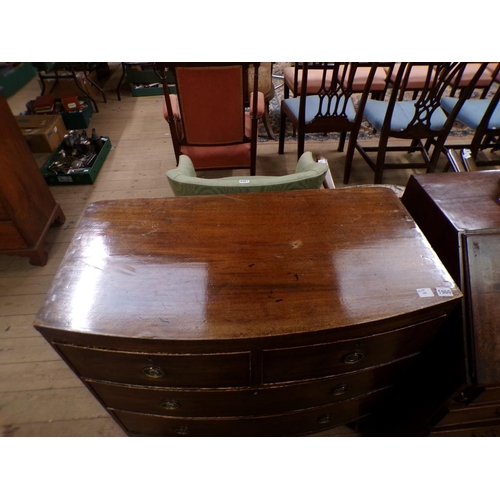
(43, 133)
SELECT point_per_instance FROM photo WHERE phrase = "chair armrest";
(328, 180)
(185, 167)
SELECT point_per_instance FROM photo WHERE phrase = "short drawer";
(255, 401)
(165, 370)
(470, 415)
(490, 395)
(321, 360)
(10, 237)
(472, 431)
(313, 420)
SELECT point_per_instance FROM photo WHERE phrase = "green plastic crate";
(80, 119)
(14, 78)
(139, 92)
(87, 177)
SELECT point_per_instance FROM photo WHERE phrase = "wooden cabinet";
(27, 207)
(251, 315)
(460, 215)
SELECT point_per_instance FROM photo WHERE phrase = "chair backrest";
(334, 107)
(436, 80)
(484, 82)
(309, 174)
(213, 101)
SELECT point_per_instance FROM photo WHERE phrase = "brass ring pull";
(170, 404)
(340, 389)
(153, 371)
(325, 419)
(354, 357)
(182, 431)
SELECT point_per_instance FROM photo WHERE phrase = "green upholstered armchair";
(309, 174)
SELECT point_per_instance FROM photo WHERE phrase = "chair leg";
(349, 156)
(267, 125)
(301, 139)
(281, 145)
(379, 166)
(342, 139)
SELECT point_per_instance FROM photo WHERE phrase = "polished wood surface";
(173, 316)
(27, 207)
(183, 270)
(460, 215)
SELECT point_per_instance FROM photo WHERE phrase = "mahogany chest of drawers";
(260, 314)
(460, 215)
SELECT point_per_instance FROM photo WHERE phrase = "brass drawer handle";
(340, 389)
(170, 404)
(354, 357)
(325, 419)
(153, 371)
(182, 431)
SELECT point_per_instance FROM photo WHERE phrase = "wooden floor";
(39, 395)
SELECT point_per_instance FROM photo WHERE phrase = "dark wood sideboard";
(460, 216)
(27, 206)
(259, 314)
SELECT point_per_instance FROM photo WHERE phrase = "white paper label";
(244, 181)
(64, 178)
(444, 291)
(425, 292)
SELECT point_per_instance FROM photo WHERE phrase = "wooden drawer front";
(321, 360)
(490, 395)
(241, 402)
(165, 370)
(313, 420)
(473, 431)
(475, 395)
(10, 237)
(3, 212)
(471, 414)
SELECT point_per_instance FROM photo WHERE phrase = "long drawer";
(471, 414)
(287, 424)
(490, 430)
(490, 395)
(165, 370)
(321, 360)
(260, 400)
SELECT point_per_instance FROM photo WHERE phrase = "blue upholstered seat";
(312, 107)
(473, 111)
(403, 113)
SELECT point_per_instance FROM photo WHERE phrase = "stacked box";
(43, 133)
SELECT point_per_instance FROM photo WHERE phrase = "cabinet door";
(482, 280)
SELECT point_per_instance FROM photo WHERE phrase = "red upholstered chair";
(293, 76)
(212, 119)
(486, 78)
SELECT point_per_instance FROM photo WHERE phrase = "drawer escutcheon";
(170, 404)
(153, 371)
(354, 357)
